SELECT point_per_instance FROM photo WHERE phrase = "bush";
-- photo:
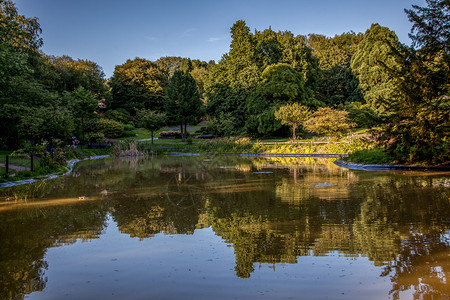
(110, 128)
(172, 134)
(223, 145)
(95, 137)
(128, 127)
(91, 125)
(372, 156)
(119, 115)
(329, 121)
(362, 114)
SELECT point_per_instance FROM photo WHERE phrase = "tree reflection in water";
(294, 208)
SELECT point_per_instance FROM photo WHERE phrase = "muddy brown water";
(226, 228)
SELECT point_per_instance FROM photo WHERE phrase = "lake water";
(226, 228)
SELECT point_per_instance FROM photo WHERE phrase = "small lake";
(226, 228)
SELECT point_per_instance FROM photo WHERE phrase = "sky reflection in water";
(188, 228)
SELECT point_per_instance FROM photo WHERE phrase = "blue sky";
(110, 31)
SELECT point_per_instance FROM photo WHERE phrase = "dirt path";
(14, 167)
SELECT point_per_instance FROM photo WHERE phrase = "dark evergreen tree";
(431, 26)
(182, 103)
(418, 124)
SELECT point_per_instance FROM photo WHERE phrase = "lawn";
(142, 133)
(3, 171)
(3, 154)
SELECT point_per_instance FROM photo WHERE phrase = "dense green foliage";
(261, 72)
(151, 120)
(337, 83)
(375, 54)
(293, 115)
(370, 156)
(182, 103)
(138, 84)
(418, 125)
(42, 98)
(329, 121)
(370, 80)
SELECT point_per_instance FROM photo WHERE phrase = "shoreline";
(339, 162)
(313, 155)
(374, 167)
(70, 164)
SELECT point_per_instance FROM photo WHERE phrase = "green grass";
(22, 161)
(17, 160)
(139, 133)
(142, 133)
(370, 156)
(40, 172)
(93, 152)
(3, 154)
(3, 171)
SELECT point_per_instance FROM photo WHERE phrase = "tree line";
(368, 79)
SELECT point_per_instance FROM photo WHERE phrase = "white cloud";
(215, 39)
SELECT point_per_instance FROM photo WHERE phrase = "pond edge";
(373, 167)
(70, 164)
(327, 155)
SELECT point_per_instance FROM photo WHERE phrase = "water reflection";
(270, 210)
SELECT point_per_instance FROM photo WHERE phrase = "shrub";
(329, 121)
(95, 137)
(171, 134)
(110, 128)
(91, 125)
(372, 156)
(128, 127)
(230, 144)
(119, 115)
(362, 114)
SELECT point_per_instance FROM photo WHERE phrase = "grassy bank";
(49, 165)
(371, 156)
(245, 145)
(45, 164)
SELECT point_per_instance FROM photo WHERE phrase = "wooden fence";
(20, 162)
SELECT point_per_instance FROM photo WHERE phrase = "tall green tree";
(371, 63)
(338, 86)
(182, 103)
(328, 53)
(282, 83)
(418, 126)
(431, 26)
(81, 72)
(334, 51)
(241, 68)
(138, 84)
(169, 64)
(17, 30)
(35, 88)
(83, 106)
(235, 86)
(50, 124)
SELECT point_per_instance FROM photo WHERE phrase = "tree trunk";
(151, 132)
(182, 134)
(293, 131)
